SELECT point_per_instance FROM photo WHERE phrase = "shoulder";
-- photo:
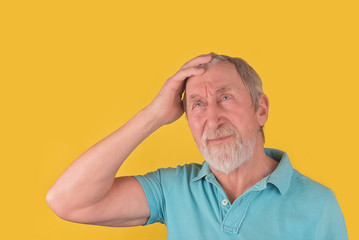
(309, 190)
(307, 184)
(189, 171)
(320, 202)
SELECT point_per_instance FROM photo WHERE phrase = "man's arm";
(88, 192)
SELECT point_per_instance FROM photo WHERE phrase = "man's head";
(226, 111)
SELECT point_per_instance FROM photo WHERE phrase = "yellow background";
(72, 72)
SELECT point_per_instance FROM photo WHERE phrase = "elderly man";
(241, 191)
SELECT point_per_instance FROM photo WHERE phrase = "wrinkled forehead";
(217, 75)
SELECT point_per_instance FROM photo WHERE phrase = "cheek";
(196, 125)
(244, 121)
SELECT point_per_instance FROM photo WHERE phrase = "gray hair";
(249, 76)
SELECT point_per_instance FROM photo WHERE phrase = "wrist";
(150, 118)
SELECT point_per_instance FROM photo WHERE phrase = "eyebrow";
(220, 90)
(194, 97)
(223, 89)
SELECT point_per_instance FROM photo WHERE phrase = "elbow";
(62, 208)
(55, 204)
(50, 200)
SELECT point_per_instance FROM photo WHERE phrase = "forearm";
(89, 177)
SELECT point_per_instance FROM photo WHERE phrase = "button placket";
(234, 217)
(223, 204)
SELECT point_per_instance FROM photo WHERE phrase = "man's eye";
(197, 104)
(225, 97)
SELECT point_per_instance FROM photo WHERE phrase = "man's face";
(222, 117)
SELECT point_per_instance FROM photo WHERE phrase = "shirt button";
(224, 202)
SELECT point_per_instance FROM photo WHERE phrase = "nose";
(214, 116)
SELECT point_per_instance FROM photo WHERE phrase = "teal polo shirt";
(283, 205)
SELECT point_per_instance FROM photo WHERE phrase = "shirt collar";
(205, 171)
(280, 177)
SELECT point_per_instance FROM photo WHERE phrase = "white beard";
(229, 155)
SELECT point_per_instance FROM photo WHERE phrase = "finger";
(202, 59)
(181, 75)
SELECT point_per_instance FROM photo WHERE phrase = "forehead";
(222, 75)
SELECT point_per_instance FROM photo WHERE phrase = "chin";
(225, 167)
(229, 156)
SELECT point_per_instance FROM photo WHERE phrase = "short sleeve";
(331, 225)
(151, 185)
(157, 186)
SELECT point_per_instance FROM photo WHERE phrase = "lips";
(218, 136)
(219, 139)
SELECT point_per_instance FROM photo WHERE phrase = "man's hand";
(167, 106)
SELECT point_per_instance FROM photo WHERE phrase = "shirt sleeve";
(331, 225)
(157, 186)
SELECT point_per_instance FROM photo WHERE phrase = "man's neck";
(244, 177)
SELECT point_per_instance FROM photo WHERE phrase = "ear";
(262, 111)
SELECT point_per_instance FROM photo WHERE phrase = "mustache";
(222, 131)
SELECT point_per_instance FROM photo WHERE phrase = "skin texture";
(215, 98)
